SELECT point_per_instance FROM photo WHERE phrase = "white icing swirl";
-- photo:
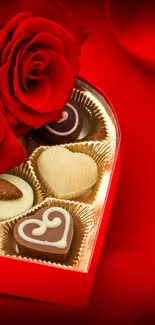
(50, 129)
(43, 225)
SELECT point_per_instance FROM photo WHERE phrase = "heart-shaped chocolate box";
(70, 281)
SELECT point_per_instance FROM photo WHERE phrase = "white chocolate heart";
(66, 174)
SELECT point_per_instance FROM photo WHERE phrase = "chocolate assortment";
(70, 162)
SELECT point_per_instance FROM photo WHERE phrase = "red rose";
(39, 61)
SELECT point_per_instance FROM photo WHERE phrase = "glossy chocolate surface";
(66, 130)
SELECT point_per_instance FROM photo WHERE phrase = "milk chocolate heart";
(47, 234)
(66, 174)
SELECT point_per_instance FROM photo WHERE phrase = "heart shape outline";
(50, 174)
(44, 224)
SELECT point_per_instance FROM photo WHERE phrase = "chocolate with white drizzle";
(46, 235)
(66, 130)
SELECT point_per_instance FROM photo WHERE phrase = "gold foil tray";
(84, 225)
(25, 172)
(98, 139)
(102, 154)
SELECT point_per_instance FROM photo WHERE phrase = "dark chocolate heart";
(47, 234)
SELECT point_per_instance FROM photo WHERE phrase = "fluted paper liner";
(84, 224)
(101, 153)
(97, 129)
(71, 182)
(96, 122)
(26, 172)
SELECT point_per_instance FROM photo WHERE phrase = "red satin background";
(124, 290)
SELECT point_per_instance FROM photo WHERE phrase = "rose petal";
(31, 76)
(19, 112)
(9, 99)
(71, 53)
(5, 53)
(11, 25)
(12, 152)
(43, 41)
(2, 125)
(37, 25)
(62, 81)
(24, 114)
(36, 65)
(9, 118)
(31, 61)
(17, 45)
(35, 119)
(36, 70)
(28, 74)
(41, 56)
(37, 97)
(15, 52)
(36, 101)
(16, 20)
(32, 119)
